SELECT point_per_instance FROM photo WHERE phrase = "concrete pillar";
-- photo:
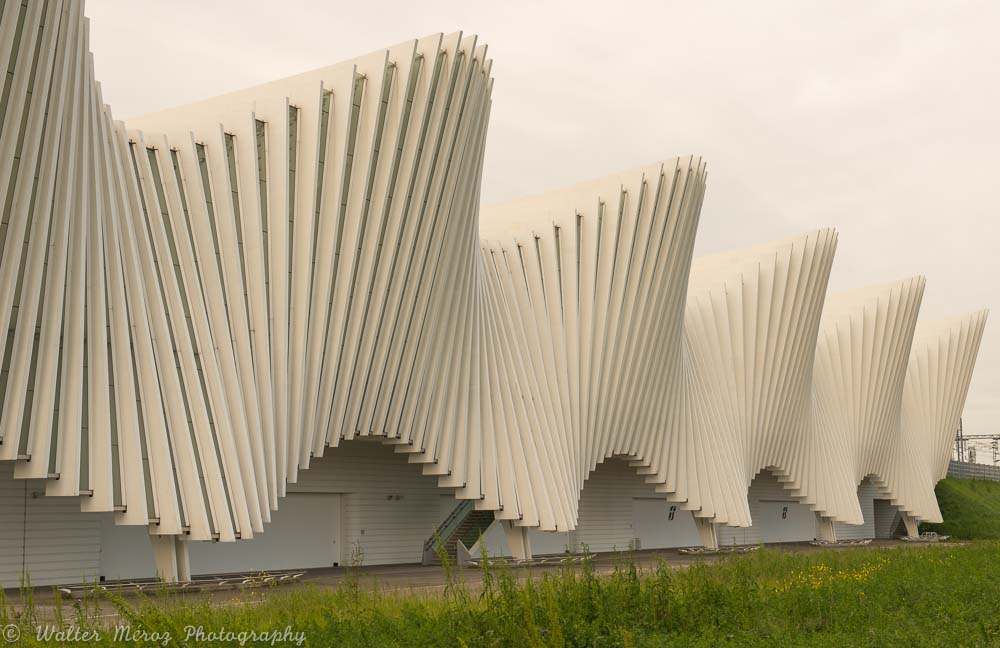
(707, 532)
(825, 529)
(517, 540)
(183, 560)
(170, 554)
(911, 524)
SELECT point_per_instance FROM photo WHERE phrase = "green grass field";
(930, 595)
(970, 508)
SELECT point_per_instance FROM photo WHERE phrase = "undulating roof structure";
(202, 301)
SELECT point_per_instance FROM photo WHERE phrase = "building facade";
(276, 329)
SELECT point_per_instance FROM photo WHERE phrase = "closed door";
(304, 533)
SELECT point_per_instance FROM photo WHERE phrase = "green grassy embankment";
(938, 595)
(970, 509)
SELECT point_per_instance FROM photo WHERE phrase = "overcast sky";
(877, 118)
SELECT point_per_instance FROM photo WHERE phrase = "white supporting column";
(170, 554)
(183, 561)
(911, 524)
(707, 532)
(517, 540)
(825, 529)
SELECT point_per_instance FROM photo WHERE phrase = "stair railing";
(445, 530)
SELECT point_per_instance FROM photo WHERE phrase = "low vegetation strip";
(941, 595)
(970, 508)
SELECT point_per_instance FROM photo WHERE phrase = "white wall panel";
(769, 500)
(125, 551)
(12, 497)
(867, 492)
(785, 520)
(62, 543)
(48, 537)
(304, 533)
(729, 536)
(608, 507)
(551, 542)
(659, 524)
(388, 507)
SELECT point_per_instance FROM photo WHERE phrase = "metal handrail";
(450, 524)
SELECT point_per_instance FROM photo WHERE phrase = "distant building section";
(970, 470)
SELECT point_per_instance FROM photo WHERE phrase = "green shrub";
(970, 509)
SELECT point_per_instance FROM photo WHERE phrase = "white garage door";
(785, 521)
(303, 533)
(47, 538)
(658, 524)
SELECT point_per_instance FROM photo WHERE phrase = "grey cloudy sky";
(877, 118)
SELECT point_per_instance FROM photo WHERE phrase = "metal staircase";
(463, 524)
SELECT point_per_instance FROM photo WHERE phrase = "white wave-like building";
(275, 329)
